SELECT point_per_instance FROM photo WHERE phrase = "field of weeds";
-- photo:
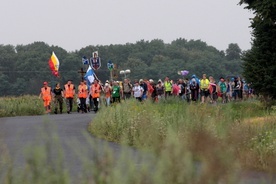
(222, 137)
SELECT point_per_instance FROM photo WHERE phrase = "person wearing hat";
(152, 90)
(144, 85)
(149, 87)
(194, 87)
(69, 93)
(46, 95)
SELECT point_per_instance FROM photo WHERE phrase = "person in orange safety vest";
(95, 90)
(46, 95)
(69, 93)
(82, 95)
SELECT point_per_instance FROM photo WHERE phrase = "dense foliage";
(260, 61)
(23, 68)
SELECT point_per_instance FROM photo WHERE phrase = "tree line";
(23, 68)
(260, 61)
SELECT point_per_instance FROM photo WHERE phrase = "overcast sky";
(74, 24)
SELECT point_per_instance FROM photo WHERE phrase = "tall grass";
(26, 105)
(223, 137)
(178, 143)
(22, 105)
(45, 164)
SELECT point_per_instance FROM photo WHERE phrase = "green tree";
(23, 68)
(260, 61)
(137, 67)
(233, 52)
(8, 61)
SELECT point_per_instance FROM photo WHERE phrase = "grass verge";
(222, 137)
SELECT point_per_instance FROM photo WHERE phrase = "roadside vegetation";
(21, 106)
(222, 137)
(177, 143)
(26, 105)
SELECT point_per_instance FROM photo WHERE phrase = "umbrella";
(183, 73)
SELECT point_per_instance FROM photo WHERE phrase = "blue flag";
(85, 61)
(89, 76)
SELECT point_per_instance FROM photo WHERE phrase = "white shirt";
(137, 91)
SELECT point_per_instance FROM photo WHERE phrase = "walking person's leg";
(71, 104)
(95, 100)
(67, 105)
(48, 106)
(60, 101)
(107, 101)
(91, 103)
(82, 104)
(56, 105)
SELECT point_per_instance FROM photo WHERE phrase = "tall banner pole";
(111, 75)
(110, 67)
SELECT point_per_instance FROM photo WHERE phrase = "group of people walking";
(194, 89)
(57, 95)
(202, 90)
(68, 92)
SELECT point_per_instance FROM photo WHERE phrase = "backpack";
(129, 86)
(182, 88)
(212, 88)
(193, 84)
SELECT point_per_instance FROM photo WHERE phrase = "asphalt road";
(69, 132)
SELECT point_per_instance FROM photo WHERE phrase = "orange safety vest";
(69, 91)
(95, 91)
(82, 91)
(46, 93)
